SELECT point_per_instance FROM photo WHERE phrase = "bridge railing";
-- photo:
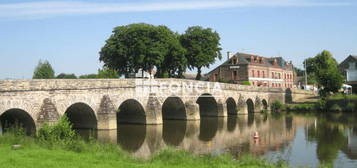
(85, 84)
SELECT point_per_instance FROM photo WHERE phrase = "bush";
(66, 76)
(336, 108)
(225, 81)
(321, 105)
(276, 106)
(89, 76)
(301, 107)
(247, 83)
(60, 133)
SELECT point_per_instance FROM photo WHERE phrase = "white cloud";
(48, 9)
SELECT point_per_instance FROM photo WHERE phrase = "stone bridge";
(103, 103)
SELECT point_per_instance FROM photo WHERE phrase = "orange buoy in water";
(256, 135)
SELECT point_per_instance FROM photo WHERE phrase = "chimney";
(252, 59)
(228, 55)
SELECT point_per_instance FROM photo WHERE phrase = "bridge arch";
(231, 106)
(250, 105)
(131, 111)
(207, 105)
(250, 109)
(82, 116)
(17, 118)
(265, 104)
(173, 108)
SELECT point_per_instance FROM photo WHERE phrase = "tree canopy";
(88, 76)
(104, 73)
(324, 69)
(66, 76)
(43, 70)
(142, 46)
(202, 46)
(107, 73)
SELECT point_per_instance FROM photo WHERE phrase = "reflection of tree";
(329, 140)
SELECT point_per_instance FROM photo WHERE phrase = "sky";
(69, 34)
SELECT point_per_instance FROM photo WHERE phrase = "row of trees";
(144, 46)
(44, 70)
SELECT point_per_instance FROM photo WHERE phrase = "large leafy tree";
(202, 46)
(140, 46)
(324, 69)
(43, 70)
(175, 62)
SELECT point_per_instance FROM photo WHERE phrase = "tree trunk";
(198, 77)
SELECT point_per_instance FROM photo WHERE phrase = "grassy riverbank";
(58, 146)
(33, 154)
(334, 103)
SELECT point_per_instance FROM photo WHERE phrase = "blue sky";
(70, 34)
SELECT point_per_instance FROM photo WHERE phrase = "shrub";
(66, 76)
(336, 108)
(60, 133)
(247, 83)
(276, 106)
(264, 111)
(225, 81)
(321, 105)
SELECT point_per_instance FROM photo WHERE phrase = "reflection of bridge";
(101, 104)
(210, 135)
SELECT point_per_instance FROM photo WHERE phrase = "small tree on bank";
(43, 70)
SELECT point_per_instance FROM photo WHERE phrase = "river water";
(299, 140)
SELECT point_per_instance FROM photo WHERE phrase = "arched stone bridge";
(103, 103)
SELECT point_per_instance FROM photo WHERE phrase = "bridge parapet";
(82, 84)
(63, 84)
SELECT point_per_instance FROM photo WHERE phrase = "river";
(299, 140)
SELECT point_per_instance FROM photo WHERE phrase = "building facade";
(349, 69)
(258, 70)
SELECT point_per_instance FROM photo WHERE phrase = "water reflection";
(231, 123)
(299, 140)
(131, 137)
(208, 128)
(330, 138)
(174, 132)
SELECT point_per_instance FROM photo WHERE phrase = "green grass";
(342, 96)
(302, 107)
(34, 154)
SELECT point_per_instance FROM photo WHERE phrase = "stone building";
(258, 70)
